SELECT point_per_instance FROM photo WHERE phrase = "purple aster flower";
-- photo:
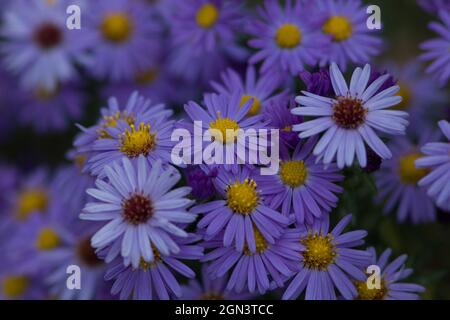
(39, 47)
(139, 204)
(397, 181)
(437, 159)
(125, 38)
(19, 286)
(240, 208)
(266, 268)
(211, 289)
(302, 186)
(437, 50)
(345, 23)
(51, 110)
(328, 261)
(201, 182)
(391, 274)
(154, 280)
(390, 82)
(8, 183)
(285, 38)
(138, 129)
(224, 113)
(262, 91)
(434, 6)
(318, 82)
(349, 119)
(204, 35)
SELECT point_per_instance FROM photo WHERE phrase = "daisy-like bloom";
(437, 49)
(397, 181)
(51, 110)
(434, 6)
(437, 160)
(285, 39)
(239, 211)
(39, 47)
(155, 279)
(279, 115)
(211, 289)
(261, 90)
(302, 186)
(391, 273)
(204, 38)
(138, 203)
(78, 251)
(18, 286)
(344, 21)
(125, 37)
(350, 118)
(266, 268)
(138, 129)
(225, 113)
(328, 261)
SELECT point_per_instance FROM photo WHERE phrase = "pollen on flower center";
(288, 36)
(111, 122)
(408, 171)
(256, 105)
(86, 253)
(349, 113)
(339, 27)
(47, 239)
(145, 265)
(136, 142)
(48, 35)
(293, 173)
(117, 27)
(14, 286)
(242, 197)
(31, 200)
(137, 209)
(319, 251)
(222, 125)
(261, 243)
(364, 293)
(405, 93)
(207, 15)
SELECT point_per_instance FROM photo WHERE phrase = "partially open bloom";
(328, 261)
(436, 162)
(437, 49)
(39, 47)
(389, 286)
(137, 202)
(350, 118)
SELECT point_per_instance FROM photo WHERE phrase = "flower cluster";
(298, 77)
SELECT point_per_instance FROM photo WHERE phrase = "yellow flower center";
(79, 160)
(117, 27)
(242, 197)
(256, 105)
(147, 76)
(219, 128)
(293, 173)
(137, 142)
(261, 243)
(44, 94)
(14, 286)
(288, 36)
(207, 15)
(320, 251)
(405, 93)
(47, 239)
(30, 201)
(212, 296)
(287, 129)
(364, 293)
(145, 265)
(339, 27)
(408, 171)
(111, 122)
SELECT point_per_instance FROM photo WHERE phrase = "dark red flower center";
(349, 113)
(137, 209)
(48, 35)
